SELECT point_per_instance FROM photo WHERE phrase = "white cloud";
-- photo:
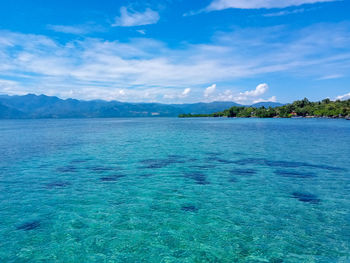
(285, 12)
(272, 99)
(209, 91)
(186, 92)
(76, 30)
(343, 97)
(251, 95)
(141, 31)
(333, 76)
(245, 98)
(257, 4)
(131, 18)
(259, 90)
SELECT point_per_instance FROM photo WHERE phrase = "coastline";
(298, 109)
(276, 117)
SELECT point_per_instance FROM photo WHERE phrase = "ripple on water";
(101, 169)
(145, 175)
(112, 178)
(77, 161)
(175, 156)
(276, 260)
(57, 184)
(233, 180)
(219, 160)
(287, 164)
(160, 163)
(294, 174)
(204, 166)
(67, 169)
(243, 172)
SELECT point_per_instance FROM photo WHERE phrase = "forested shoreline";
(299, 108)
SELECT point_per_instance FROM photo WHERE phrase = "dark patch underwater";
(306, 197)
(160, 163)
(112, 178)
(199, 178)
(243, 171)
(294, 174)
(287, 164)
(77, 161)
(233, 180)
(67, 169)
(204, 166)
(30, 225)
(57, 184)
(218, 159)
(189, 208)
(101, 169)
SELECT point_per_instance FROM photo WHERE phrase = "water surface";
(175, 190)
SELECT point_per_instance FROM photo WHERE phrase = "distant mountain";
(267, 104)
(42, 106)
(10, 113)
(205, 108)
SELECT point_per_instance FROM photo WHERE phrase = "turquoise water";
(175, 190)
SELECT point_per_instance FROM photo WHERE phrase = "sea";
(175, 190)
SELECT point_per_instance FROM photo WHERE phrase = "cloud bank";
(147, 70)
(246, 98)
(257, 4)
(343, 97)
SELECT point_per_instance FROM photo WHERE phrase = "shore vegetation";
(300, 108)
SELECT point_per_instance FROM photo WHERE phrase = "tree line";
(299, 108)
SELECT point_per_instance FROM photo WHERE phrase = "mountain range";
(32, 106)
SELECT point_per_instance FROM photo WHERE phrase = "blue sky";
(176, 51)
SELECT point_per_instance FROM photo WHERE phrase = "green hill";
(299, 108)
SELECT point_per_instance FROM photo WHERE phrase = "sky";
(176, 51)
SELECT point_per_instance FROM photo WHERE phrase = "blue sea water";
(175, 190)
